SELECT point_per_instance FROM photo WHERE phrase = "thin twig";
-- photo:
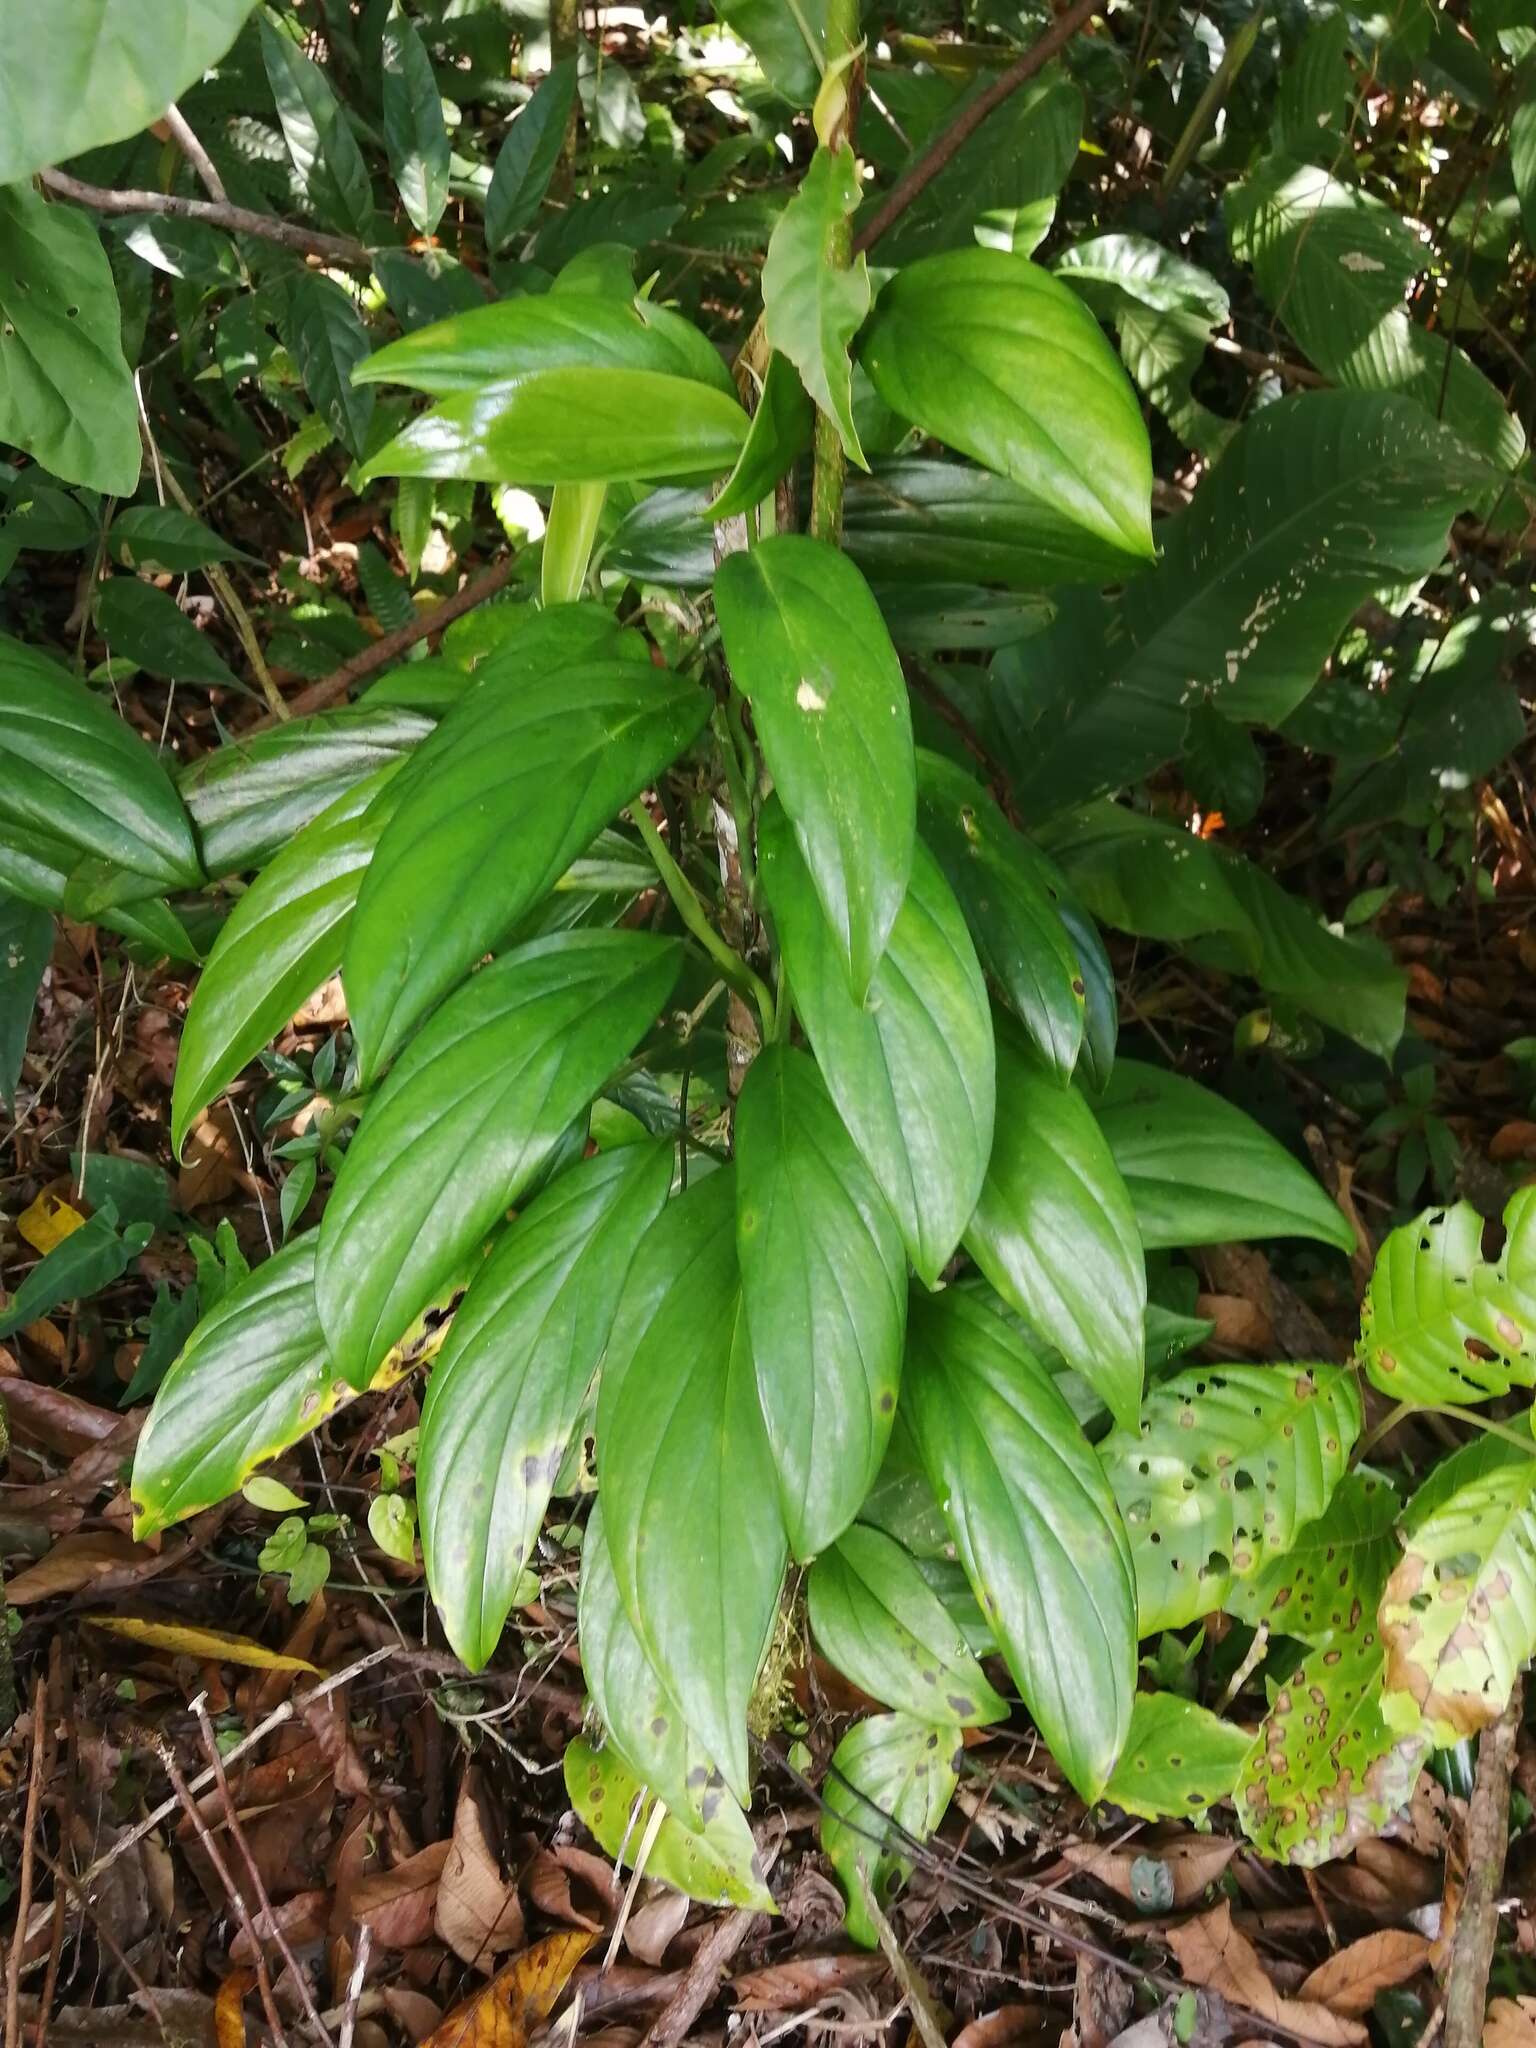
(239, 220)
(1477, 1923)
(950, 140)
(28, 1854)
(186, 141)
(355, 1987)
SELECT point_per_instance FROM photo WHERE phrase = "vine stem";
(844, 76)
(733, 969)
(1521, 1439)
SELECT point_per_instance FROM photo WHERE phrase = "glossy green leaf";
(912, 1070)
(807, 645)
(79, 73)
(1179, 1758)
(824, 1288)
(329, 340)
(508, 1386)
(529, 152)
(572, 426)
(1201, 1171)
(780, 431)
(789, 43)
(877, 1619)
(1228, 1463)
(78, 1266)
(513, 785)
(814, 299)
(250, 797)
(1055, 1232)
(1009, 893)
(26, 940)
(66, 396)
(414, 133)
(1035, 1524)
(719, 1864)
(469, 1114)
(1442, 1321)
(146, 626)
(516, 338)
(891, 1779)
(996, 357)
(690, 1495)
(154, 537)
(282, 939)
(73, 770)
(1329, 1580)
(324, 151)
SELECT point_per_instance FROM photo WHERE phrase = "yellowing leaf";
(212, 1643)
(517, 1999)
(47, 1222)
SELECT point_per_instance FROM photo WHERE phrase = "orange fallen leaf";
(1511, 2023)
(228, 2019)
(71, 1565)
(1213, 1954)
(517, 1999)
(1350, 1980)
(47, 1222)
(211, 1643)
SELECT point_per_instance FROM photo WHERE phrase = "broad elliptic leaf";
(1179, 1758)
(1228, 1463)
(912, 1071)
(251, 796)
(718, 1863)
(1330, 1578)
(1443, 1322)
(508, 1386)
(73, 770)
(26, 940)
(1009, 892)
(814, 299)
(1201, 1171)
(890, 1780)
(146, 626)
(529, 152)
(1055, 1232)
(878, 1620)
(329, 340)
(469, 1114)
(515, 782)
(66, 395)
(414, 131)
(993, 355)
(1035, 1524)
(151, 537)
(282, 939)
(1458, 1617)
(808, 647)
(780, 431)
(690, 1495)
(824, 1287)
(560, 331)
(325, 153)
(572, 426)
(79, 73)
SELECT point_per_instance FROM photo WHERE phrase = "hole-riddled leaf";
(1330, 1579)
(887, 1768)
(1440, 1321)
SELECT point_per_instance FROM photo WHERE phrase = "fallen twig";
(28, 1854)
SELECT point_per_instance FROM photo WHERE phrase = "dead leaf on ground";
(399, 1905)
(1383, 1879)
(1191, 1861)
(791, 1986)
(52, 1418)
(212, 1162)
(1009, 2024)
(1241, 1325)
(517, 1999)
(73, 1563)
(478, 1911)
(302, 1920)
(1350, 1980)
(573, 1885)
(1212, 1953)
(1511, 2023)
(228, 2016)
(651, 1930)
(211, 1643)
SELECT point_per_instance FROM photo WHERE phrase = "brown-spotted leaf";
(1214, 1955)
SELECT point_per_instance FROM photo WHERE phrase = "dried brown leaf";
(801, 1981)
(478, 1911)
(1008, 2025)
(1350, 1980)
(398, 1905)
(1511, 2023)
(1192, 1861)
(556, 1877)
(651, 1930)
(73, 1563)
(1213, 1954)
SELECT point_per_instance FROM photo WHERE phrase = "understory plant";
(728, 1125)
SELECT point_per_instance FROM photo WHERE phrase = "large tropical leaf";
(1441, 1320)
(890, 1781)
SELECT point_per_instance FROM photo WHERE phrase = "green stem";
(829, 463)
(1522, 1439)
(685, 900)
(574, 510)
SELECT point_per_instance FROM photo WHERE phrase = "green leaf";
(509, 789)
(789, 43)
(807, 645)
(85, 72)
(147, 627)
(1332, 1575)
(1035, 1525)
(325, 154)
(1009, 893)
(1201, 1171)
(508, 1386)
(66, 396)
(1443, 1322)
(1458, 1616)
(572, 426)
(328, 341)
(252, 796)
(890, 1780)
(26, 941)
(471, 1111)
(824, 1287)
(392, 1525)
(1054, 1230)
(994, 356)
(414, 133)
(877, 1619)
(75, 771)
(138, 1192)
(814, 299)
(153, 537)
(529, 152)
(1179, 1758)
(1522, 160)
(780, 431)
(282, 939)
(1229, 1462)
(561, 331)
(719, 1864)
(690, 1495)
(912, 1070)
(79, 1266)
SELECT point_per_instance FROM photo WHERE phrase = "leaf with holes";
(1228, 1463)
(1442, 1321)
(508, 1387)
(891, 1779)
(1331, 1576)
(1179, 1758)
(718, 1863)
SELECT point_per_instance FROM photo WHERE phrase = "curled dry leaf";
(1350, 1980)
(803, 1980)
(1212, 1954)
(478, 1911)
(398, 1906)
(74, 1563)
(1191, 1861)
(303, 1919)
(517, 1999)
(573, 1885)
(1008, 2025)
(228, 2019)
(1511, 2023)
(651, 1931)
